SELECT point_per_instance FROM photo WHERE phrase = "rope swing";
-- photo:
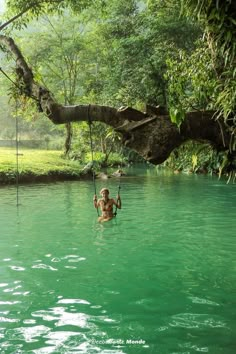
(17, 156)
(92, 156)
(119, 187)
(91, 148)
(16, 136)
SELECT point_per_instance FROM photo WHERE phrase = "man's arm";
(118, 202)
(95, 202)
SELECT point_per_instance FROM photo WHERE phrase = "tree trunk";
(150, 134)
(69, 134)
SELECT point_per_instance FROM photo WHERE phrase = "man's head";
(104, 191)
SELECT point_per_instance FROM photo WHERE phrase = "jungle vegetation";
(172, 60)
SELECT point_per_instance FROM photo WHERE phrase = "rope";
(119, 188)
(91, 147)
(17, 157)
(119, 185)
(21, 89)
(17, 139)
(8, 77)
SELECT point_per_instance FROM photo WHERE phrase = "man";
(106, 205)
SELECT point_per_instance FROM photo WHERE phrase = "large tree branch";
(151, 134)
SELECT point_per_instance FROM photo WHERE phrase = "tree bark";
(69, 134)
(151, 134)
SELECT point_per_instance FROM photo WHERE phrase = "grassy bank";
(36, 165)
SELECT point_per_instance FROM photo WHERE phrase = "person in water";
(106, 205)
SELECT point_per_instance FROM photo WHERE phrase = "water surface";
(160, 278)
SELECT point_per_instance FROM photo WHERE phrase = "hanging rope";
(119, 188)
(93, 172)
(16, 137)
(8, 77)
(17, 156)
(91, 148)
(21, 90)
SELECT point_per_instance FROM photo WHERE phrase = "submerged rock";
(118, 173)
(102, 175)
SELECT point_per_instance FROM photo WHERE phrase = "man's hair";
(103, 190)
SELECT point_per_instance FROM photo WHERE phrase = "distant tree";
(135, 39)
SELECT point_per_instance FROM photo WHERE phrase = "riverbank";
(43, 166)
(37, 166)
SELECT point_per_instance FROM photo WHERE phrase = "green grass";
(36, 162)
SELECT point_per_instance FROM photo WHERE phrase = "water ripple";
(190, 320)
(44, 266)
(17, 268)
(73, 301)
(3, 284)
(197, 300)
(5, 319)
(62, 317)
(9, 302)
(28, 334)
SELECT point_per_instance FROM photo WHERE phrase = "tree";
(150, 133)
(134, 42)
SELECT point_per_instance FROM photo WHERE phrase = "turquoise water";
(160, 278)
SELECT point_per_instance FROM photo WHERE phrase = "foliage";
(193, 157)
(191, 80)
(135, 41)
(131, 53)
(219, 21)
(36, 8)
(206, 79)
(105, 142)
(101, 160)
(56, 55)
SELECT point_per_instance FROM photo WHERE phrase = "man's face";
(105, 194)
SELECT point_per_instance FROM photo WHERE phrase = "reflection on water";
(160, 278)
